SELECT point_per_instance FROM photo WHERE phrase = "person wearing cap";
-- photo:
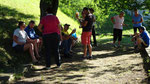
(32, 35)
(142, 39)
(67, 41)
(137, 20)
(93, 27)
(86, 25)
(118, 23)
(51, 37)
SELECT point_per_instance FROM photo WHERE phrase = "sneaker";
(47, 68)
(119, 46)
(90, 57)
(68, 55)
(115, 46)
(84, 57)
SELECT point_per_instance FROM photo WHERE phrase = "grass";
(13, 11)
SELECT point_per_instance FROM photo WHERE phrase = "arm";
(141, 20)
(132, 21)
(68, 36)
(84, 23)
(112, 20)
(59, 26)
(15, 39)
(40, 27)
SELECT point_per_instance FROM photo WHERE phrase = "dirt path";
(109, 66)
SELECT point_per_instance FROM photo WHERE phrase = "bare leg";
(36, 49)
(31, 50)
(90, 49)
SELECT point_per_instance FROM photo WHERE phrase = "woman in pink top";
(51, 37)
(118, 23)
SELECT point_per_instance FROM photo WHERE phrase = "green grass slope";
(12, 11)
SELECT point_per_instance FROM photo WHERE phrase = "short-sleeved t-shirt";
(50, 23)
(145, 36)
(118, 22)
(65, 32)
(137, 19)
(88, 27)
(22, 36)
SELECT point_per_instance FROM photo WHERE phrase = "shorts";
(117, 33)
(86, 38)
(19, 48)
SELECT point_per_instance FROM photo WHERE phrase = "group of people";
(56, 36)
(141, 39)
(25, 38)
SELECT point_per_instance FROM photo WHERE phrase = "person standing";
(87, 32)
(93, 26)
(51, 37)
(118, 22)
(137, 20)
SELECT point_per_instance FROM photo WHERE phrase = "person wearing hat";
(142, 39)
(137, 20)
(67, 41)
(118, 23)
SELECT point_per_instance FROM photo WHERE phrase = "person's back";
(145, 36)
(50, 23)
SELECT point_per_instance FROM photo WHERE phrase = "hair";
(85, 8)
(49, 10)
(135, 9)
(20, 23)
(32, 21)
(143, 28)
(122, 12)
(91, 9)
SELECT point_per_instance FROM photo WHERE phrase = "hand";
(77, 16)
(73, 31)
(136, 22)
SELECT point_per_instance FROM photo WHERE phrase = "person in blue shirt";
(32, 35)
(137, 20)
(142, 39)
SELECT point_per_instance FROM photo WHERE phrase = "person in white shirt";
(118, 22)
(21, 42)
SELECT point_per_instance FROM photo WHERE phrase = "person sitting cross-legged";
(21, 42)
(67, 41)
(142, 39)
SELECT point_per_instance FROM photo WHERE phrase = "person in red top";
(51, 37)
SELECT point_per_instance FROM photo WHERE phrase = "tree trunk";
(44, 4)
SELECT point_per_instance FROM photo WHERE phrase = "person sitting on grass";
(66, 43)
(21, 42)
(74, 39)
(32, 35)
(142, 39)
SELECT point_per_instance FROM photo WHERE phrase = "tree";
(44, 4)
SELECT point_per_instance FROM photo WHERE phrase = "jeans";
(66, 44)
(94, 36)
(51, 44)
